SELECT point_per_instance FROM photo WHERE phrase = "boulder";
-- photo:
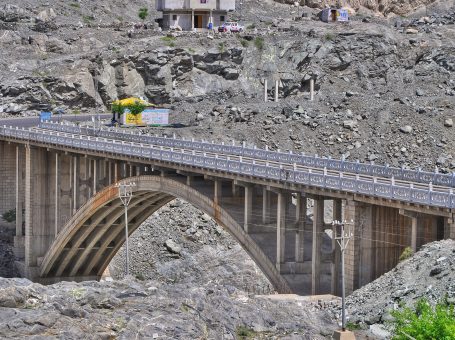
(172, 247)
(406, 129)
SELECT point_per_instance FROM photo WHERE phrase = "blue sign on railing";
(45, 116)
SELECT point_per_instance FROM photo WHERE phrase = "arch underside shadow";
(89, 241)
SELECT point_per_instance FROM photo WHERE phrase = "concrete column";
(311, 89)
(75, 186)
(235, 189)
(449, 228)
(336, 259)
(414, 234)
(109, 173)
(266, 96)
(318, 226)
(189, 180)
(281, 230)
(217, 194)
(265, 206)
(367, 251)
(192, 20)
(39, 214)
(300, 216)
(116, 172)
(277, 88)
(248, 207)
(57, 195)
(353, 211)
(19, 185)
(95, 176)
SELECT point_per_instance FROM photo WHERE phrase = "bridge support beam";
(39, 209)
(336, 251)
(449, 228)
(266, 206)
(249, 190)
(281, 229)
(318, 229)
(217, 194)
(300, 216)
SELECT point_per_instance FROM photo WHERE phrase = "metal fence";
(390, 190)
(416, 176)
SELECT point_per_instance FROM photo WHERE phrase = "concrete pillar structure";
(449, 228)
(300, 216)
(57, 195)
(235, 189)
(318, 229)
(75, 183)
(19, 185)
(39, 207)
(192, 20)
(217, 193)
(353, 211)
(336, 250)
(281, 229)
(266, 208)
(248, 212)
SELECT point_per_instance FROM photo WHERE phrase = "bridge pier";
(336, 250)
(318, 230)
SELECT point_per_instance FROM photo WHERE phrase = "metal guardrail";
(417, 176)
(354, 185)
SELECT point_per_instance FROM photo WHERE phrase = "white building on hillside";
(194, 14)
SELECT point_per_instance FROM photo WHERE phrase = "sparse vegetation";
(221, 47)
(244, 43)
(352, 326)
(169, 40)
(251, 27)
(244, 332)
(407, 253)
(88, 19)
(329, 36)
(259, 43)
(143, 13)
(76, 112)
(9, 216)
(75, 5)
(424, 322)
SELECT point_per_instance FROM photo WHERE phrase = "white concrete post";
(266, 96)
(311, 89)
(277, 87)
(414, 222)
(95, 175)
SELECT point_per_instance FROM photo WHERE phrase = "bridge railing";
(340, 165)
(271, 171)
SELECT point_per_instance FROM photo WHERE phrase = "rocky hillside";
(399, 7)
(427, 274)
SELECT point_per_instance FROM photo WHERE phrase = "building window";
(222, 18)
(204, 1)
(174, 17)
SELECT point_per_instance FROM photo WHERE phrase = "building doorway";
(198, 21)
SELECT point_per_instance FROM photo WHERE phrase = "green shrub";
(169, 40)
(75, 5)
(259, 43)
(143, 13)
(329, 36)
(9, 216)
(352, 326)
(251, 27)
(424, 322)
(244, 43)
(221, 47)
(88, 19)
(407, 253)
(244, 332)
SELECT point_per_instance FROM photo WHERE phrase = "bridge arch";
(87, 243)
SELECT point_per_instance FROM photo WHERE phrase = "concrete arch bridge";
(64, 179)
